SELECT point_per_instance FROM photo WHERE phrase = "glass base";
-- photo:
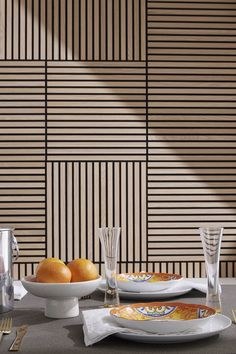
(214, 302)
(109, 306)
(111, 298)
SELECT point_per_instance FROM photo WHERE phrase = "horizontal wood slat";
(191, 127)
(22, 156)
(105, 122)
(22, 116)
(22, 206)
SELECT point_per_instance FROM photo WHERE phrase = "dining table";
(57, 336)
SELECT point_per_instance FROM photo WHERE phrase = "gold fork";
(5, 326)
(234, 315)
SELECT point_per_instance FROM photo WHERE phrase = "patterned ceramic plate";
(214, 326)
(163, 317)
(147, 281)
(150, 295)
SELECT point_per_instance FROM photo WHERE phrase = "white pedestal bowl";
(62, 299)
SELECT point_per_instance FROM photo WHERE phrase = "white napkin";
(199, 284)
(192, 283)
(19, 290)
(98, 325)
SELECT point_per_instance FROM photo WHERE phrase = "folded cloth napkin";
(19, 290)
(198, 284)
(98, 324)
(192, 283)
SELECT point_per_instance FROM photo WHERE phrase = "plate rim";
(179, 277)
(115, 312)
(176, 336)
(149, 293)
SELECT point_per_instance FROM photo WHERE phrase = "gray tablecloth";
(65, 336)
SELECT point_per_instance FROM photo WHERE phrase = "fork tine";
(3, 324)
(234, 315)
(6, 324)
(9, 324)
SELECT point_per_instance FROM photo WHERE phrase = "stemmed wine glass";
(211, 240)
(109, 238)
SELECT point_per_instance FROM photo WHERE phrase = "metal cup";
(8, 248)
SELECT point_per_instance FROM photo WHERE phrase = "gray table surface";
(65, 336)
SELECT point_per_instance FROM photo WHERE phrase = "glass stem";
(211, 239)
(109, 238)
(111, 294)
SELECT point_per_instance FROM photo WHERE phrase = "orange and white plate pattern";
(161, 316)
(147, 281)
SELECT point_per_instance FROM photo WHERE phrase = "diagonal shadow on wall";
(190, 168)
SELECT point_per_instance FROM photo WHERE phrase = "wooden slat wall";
(192, 129)
(95, 132)
(22, 157)
(76, 30)
(98, 110)
(83, 196)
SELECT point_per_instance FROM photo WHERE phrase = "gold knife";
(20, 332)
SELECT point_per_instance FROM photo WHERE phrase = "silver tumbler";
(8, 254)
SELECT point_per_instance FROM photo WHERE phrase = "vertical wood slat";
(94, 203)
(55, 30)
(36, 26)
(123, 31)
(96, 35)
(22, 42)
(8, 30)
(117, 30)
(2, 29)
(29, 27)
(70, 30)
(63, 26)
(103, 30)
(50, 29)
(24, 29)
(89, 30)
(16, 33)
(76, 30)
(42, 29)
(110, 30)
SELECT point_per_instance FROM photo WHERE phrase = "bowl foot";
(62, 308)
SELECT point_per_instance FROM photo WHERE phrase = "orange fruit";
(82, 269)
(48, 260)
(53, 272)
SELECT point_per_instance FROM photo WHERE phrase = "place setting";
(159, 321)
(156, 322)
(148, 285)
(151, 314)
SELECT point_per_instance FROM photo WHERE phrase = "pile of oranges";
(54, 270)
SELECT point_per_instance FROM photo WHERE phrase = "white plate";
(147, 281)
(164, 294)
(213, 327)
(163, 317)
